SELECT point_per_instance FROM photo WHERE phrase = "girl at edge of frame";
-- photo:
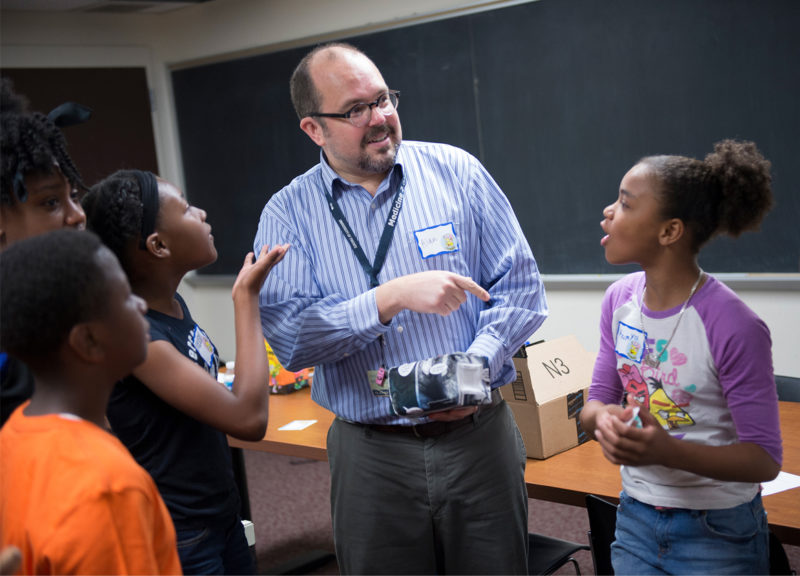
(40, 191)
(681, 350)
(172, 413)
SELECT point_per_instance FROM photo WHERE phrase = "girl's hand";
(629, 445)
(591, 413)
(252, 275)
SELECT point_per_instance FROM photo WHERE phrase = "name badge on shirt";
(629, 342)
(203, 345)
(436, 240)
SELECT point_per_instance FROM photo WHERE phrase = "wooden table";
(565, 478)
(311, 442)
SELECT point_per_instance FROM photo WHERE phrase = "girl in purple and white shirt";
(683, 394)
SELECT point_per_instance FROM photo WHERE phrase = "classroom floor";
(289, 499)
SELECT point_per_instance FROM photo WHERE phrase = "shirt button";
(399, 329)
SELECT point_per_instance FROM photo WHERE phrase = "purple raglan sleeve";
(741, 348)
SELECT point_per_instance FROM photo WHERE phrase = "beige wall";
(226, 28)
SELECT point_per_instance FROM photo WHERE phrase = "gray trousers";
(452, 504)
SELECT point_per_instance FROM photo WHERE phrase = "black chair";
(788, 388)
(546, 554)
(602, 525)
(778, 560)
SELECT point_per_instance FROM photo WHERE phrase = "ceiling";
(97, 6)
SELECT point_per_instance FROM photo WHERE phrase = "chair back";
(546, 554)
(602, 525)
(778, 559)
(788, 388)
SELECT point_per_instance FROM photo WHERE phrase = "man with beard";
(401, 253)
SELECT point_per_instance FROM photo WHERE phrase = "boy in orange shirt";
(72, 499)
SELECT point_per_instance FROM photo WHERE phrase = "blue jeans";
(680, 541)
(215, 550)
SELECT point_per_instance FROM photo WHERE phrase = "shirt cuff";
(362, 315)
(499, 370)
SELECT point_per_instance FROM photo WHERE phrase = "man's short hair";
(305, 96)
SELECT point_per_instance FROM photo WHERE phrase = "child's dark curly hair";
(31, 143)
(51, 282)
(729, 192)
(114, 212)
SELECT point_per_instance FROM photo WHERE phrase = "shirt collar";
(336, 184)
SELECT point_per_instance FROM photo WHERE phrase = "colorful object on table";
(283, 381)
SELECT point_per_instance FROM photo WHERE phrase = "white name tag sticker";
(629, 342)
(203, 345)
(437, 240)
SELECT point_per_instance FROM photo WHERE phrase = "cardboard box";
(550, 390)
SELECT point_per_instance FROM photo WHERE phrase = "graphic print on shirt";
(200, 349)
(651, 394)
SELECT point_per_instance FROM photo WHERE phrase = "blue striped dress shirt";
(317, 308)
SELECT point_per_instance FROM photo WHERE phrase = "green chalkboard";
(558, 98)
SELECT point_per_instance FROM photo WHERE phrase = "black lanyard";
(374, 269)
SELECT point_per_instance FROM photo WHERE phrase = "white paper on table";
(297, 425)
(784, 481)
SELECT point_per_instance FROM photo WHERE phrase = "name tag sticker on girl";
(436, 240)
(629, 342)
(203, 345)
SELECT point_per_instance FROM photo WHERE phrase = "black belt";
(436, 427)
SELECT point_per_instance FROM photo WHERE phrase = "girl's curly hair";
(31, 143)
(729, 192)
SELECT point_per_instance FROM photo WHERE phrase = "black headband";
(148, 185)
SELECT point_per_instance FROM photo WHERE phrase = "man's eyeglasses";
(360, 114)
